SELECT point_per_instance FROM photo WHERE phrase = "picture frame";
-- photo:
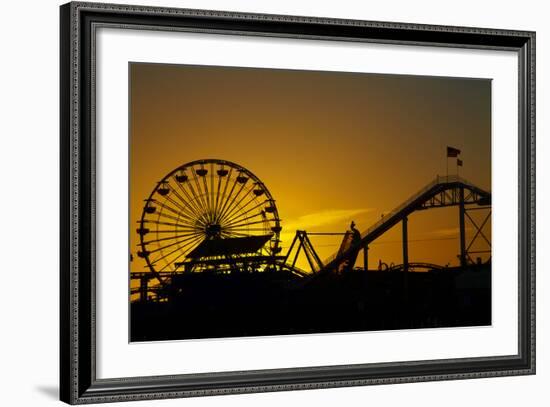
(79, 382)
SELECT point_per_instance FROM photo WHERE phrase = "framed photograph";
(255, 203)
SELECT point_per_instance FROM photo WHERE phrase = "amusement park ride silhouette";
(214, 216)
(210, 232)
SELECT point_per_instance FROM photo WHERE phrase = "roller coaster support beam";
(366, 256)
(405, 245)
(302, 240)
(461, 212)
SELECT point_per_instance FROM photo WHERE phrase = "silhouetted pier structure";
(231, 285)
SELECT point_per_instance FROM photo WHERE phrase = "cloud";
(323, 218)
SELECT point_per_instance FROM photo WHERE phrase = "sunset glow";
(330, 147)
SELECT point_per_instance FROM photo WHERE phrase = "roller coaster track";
(443, 191)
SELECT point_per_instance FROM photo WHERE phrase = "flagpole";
(459, 163)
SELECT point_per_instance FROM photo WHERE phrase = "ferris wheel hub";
(213, 230)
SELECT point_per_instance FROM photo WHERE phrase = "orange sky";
(330, 147)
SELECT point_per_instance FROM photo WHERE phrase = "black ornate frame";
(77, 283)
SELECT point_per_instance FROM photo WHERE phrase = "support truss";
(302, 242)
(479, 234)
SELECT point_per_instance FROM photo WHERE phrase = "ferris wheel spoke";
(195, 218)
(176, 229)
(215, 213)
(228, 206)
(251, 194)
(200, 193)
(175, 203)
(221, 199)
(237, 204)
(190, 210)
(207, 197)
(245, 222)
(244, 219)
(145, 243)
(237, 215)
(187, 209)
(238, 208)
(195, 197)
(176, 225)
(197, 239)
(190, 202)
(226, 198)
(176, 212)
(165, 231)
(179, 256)
(181, 219)
(179, 242)
(196, 201)
(243, 187)
(182, 240)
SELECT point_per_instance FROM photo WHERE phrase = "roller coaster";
(441, 192)
(216, 216)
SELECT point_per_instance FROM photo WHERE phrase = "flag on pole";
(459, 162)
(452, 152)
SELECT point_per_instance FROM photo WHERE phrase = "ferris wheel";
(208, 214)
